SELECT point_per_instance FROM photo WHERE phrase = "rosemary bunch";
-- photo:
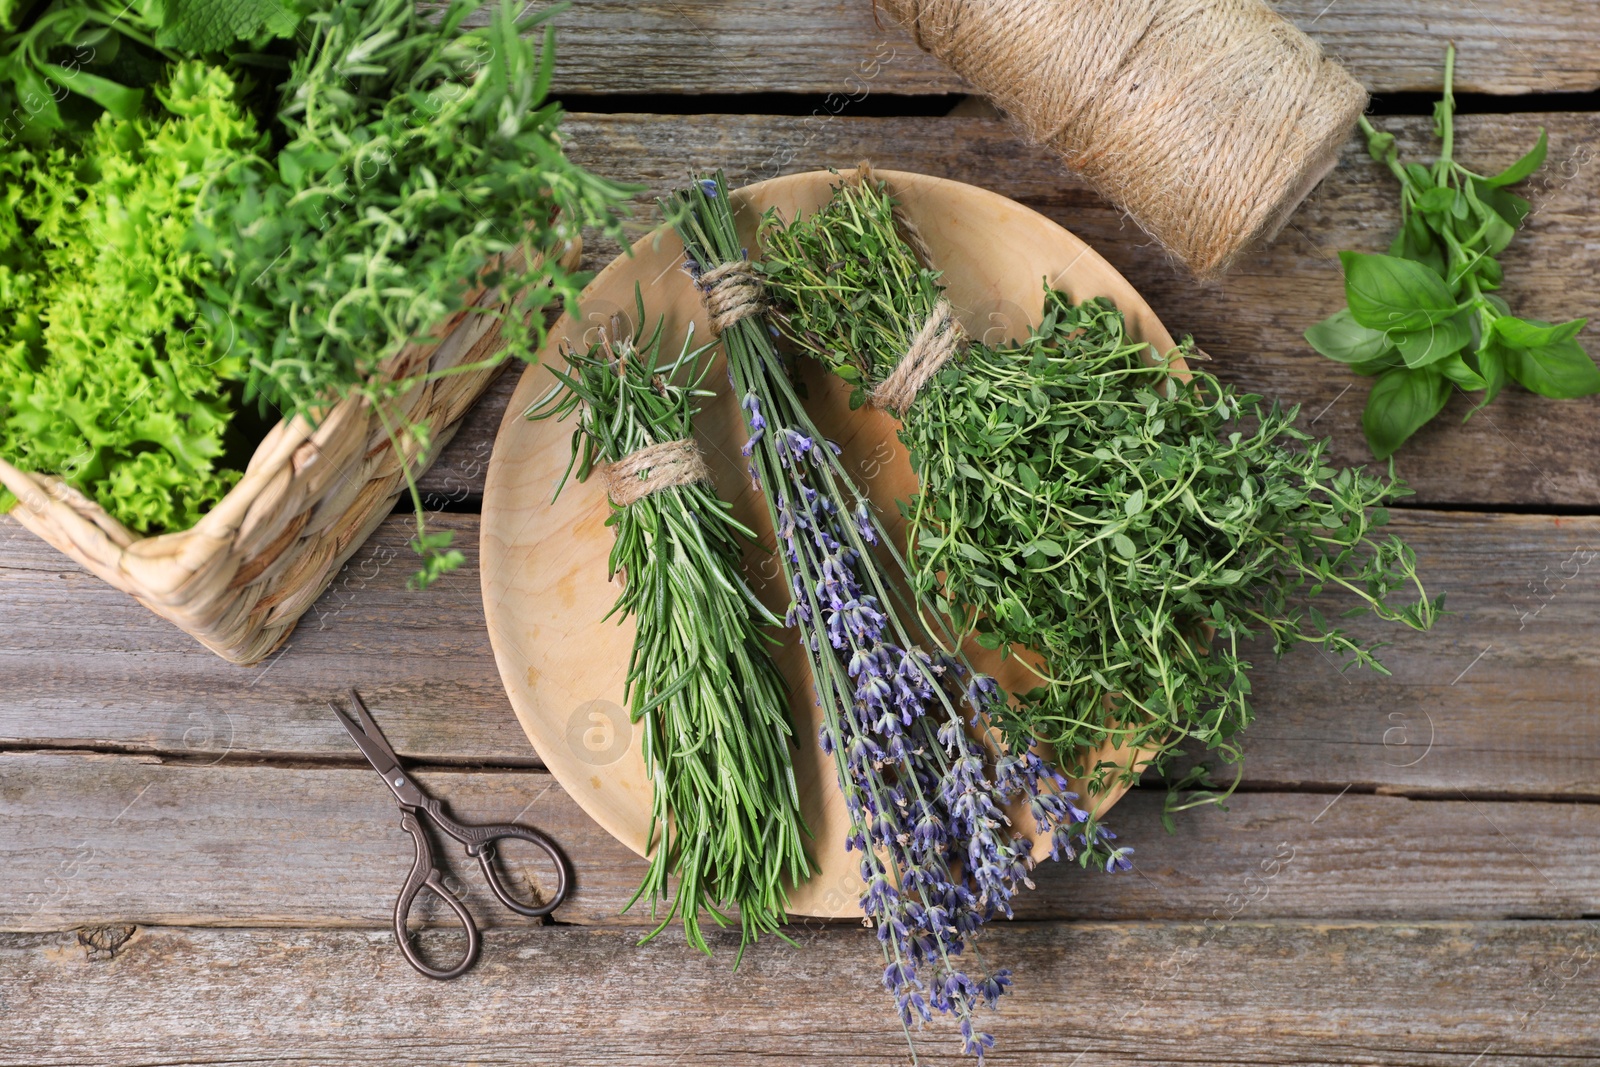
(923, 796)
(1126, 527)
(725, 810)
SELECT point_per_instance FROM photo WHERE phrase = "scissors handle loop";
(485, 850)
(480, 839)
(425, 875)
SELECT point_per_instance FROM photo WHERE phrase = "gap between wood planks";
(891, 105)
(509, 765)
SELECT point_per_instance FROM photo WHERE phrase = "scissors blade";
(367, 737)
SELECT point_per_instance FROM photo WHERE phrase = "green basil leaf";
(1420, 176)
(35, 100)
(1456, 370)
(1492, 359)
(1415, 241)
(1560, 371)
(1524, 166)
(121, 101)
(1341, 337)
(1402, 401)
(1379, 145)
(1418, 348)
(1535, 333)
(1389, 293)
(1489, 273)
(1437, 201)
(1508, 206)
(1370, 367)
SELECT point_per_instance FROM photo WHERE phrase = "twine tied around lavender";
(664, 465)
(732, 292)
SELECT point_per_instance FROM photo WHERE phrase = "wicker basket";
(240, 579)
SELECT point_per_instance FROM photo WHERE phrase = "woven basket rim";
(106, 546)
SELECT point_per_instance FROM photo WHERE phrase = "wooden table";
(195, 868)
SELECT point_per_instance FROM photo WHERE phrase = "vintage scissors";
(479, 839)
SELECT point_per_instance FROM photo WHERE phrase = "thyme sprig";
(1124, 529)
(725, 810)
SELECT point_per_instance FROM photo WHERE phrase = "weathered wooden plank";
(844, 46)
(1430, 995)
(1523, 450)
(92, 840)
(1498, 699)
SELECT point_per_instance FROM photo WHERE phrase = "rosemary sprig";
(924, 797)
(1128, 528)
(725, 810)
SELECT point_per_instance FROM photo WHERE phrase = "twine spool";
(670, 463)
(1207, 121)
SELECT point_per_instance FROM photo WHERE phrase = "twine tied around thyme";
(669, 464)
(935, 343)
(939, 338)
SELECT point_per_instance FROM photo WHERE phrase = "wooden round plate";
(544, 564)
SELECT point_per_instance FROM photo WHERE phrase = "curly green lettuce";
(110, 375)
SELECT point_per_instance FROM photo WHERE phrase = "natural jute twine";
(732, 292)
(1208, 121)
(939, 339)
(668, 464)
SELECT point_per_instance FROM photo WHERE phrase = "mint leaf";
(1389, 293)
(1340, 337)
(1402, 401)
(213, 25)
(1560, 371)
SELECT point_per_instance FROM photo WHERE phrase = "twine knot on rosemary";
(664, 465)
(732, 292)
(940, 338)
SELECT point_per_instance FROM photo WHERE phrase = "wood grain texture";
(105, 840)
(1524, 450)
(1498, 699)
(1418, 995)
(844, 46)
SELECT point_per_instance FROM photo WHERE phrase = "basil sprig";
(1424, 318)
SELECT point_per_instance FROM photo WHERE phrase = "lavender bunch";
(925, 797)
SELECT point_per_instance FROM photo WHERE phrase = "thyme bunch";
(1121, 529)
(924, 797)
(725, 810)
